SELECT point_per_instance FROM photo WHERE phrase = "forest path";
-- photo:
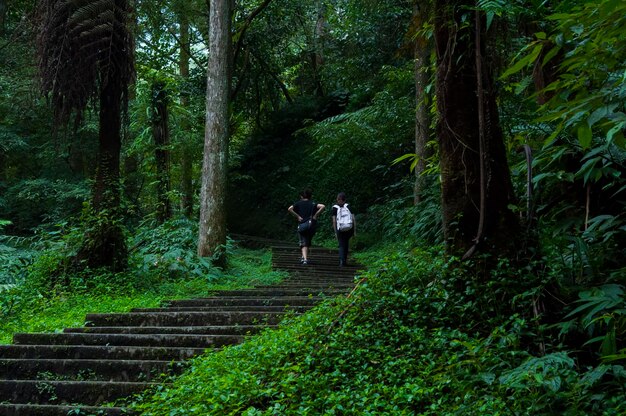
(119, 354)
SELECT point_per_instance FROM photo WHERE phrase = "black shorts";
(306, 237)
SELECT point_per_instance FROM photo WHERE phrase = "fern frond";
(83, 43)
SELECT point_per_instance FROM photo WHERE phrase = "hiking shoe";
(304, 262)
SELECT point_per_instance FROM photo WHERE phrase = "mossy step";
(98, 352)
(281, 292)
(143, 340)
(286, 308)
(240, 301)
(102, 370)
(67, 392)
(314, 265)
(308, 285)
(60, 410)
(183, 318)
(299, 271)
(201, 330)
(294, 250)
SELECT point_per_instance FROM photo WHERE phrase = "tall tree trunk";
(317, 57)
(459, 136)
(3, 15)
(161, 136)
(422, 114)
(212, 233)
(106, 188)
(104, 244)
(187, 141)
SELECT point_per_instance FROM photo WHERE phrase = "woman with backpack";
(344, 226)
(306, 211)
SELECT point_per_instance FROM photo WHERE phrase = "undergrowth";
(416, 338)
(42, 305)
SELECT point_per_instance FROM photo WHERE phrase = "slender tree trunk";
(187, 142)
(422, 113)
(317, 56)
(161, 136)
(212, 233)
(104, 244)
(459, 137)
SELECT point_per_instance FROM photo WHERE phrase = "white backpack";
(344, 218)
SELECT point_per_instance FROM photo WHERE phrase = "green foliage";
(601, 312)
(168, 250)
(591, 38)
(40, 202)
(42, 303)
(400, 221)
(405, 343)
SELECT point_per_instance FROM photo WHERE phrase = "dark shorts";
(306, 237)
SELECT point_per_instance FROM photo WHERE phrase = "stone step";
(119, 354)
(303, 271)
(66, 392)
(305, 277)
(308, 285)
(139, 340)
(281, 292)
(102, 370)
(242, 301)
(182, 318)
(98, 352)
(295, 251)
(60, 410)
(200, 330)
(330, 265)
(323, 258)
(285, 308)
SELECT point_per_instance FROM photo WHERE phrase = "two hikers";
(307, 211)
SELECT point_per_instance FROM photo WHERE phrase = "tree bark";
(3, 14)
(106, 188)
(422, 113)
(212, 227)
(104, 244)
(187, 144)
(459, 137)
(317, 57)
(161, 136)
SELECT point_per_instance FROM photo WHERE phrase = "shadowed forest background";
(481, 145)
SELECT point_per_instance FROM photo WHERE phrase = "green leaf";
(525, 61)
(404, 157)
(584, 135)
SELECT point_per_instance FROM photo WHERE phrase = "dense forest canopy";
(492, 129)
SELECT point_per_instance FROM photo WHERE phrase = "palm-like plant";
(86, 57)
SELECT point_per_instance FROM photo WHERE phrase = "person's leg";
(349, 235)
(305, 243)
(305, 254)
(342, 238)
(303, 247)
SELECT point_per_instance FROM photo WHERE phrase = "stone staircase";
(83, 370)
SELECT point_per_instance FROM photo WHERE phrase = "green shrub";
(408, 341)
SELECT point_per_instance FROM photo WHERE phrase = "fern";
(81, 43)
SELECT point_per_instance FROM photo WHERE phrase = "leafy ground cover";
(35, 306)
(417, 337)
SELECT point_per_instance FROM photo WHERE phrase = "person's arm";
(320, 208)
(353, 224)
(294, 213)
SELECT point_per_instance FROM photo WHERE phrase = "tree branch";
(184, 47)
(244, 28)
